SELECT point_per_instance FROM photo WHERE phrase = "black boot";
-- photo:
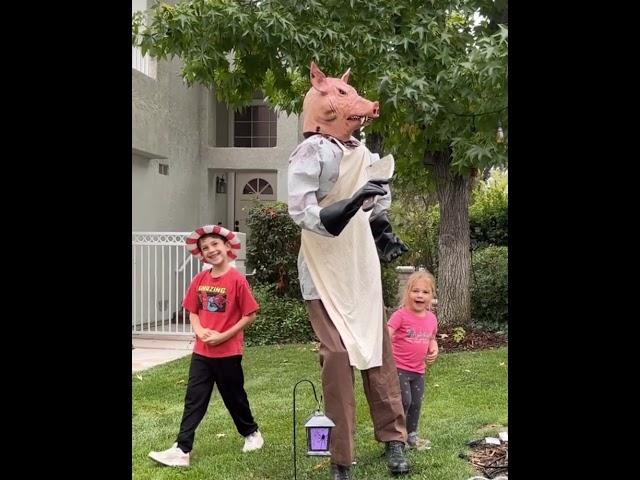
(338, 472)
(394, 453)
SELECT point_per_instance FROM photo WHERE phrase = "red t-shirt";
(220, 303)
(411, 338)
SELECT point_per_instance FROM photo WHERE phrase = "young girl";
(413, 330)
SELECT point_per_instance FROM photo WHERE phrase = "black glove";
(336, 216)
(389, 245)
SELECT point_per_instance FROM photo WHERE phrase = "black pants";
(412, 390)
(204, 373)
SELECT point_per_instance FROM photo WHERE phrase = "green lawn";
(466, 398)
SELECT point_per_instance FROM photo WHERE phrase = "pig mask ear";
(345, 76)
(318, 79)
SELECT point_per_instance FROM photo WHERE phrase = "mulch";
(473, 340)
(490, 460)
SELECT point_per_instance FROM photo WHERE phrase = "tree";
(440, 77)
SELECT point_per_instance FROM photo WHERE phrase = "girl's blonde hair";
(411, 281)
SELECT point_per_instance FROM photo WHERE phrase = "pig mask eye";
(341, 92)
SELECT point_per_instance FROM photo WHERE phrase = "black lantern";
(318, 427)
(221, 185)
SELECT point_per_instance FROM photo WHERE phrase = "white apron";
(346, 271)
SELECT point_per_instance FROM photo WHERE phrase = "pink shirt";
(411, 338)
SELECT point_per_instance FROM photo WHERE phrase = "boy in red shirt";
(220, 306)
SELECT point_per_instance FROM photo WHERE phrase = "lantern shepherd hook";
(316, 420)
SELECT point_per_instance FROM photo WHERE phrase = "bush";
(489, 285)
(488, 218)
(418, 227)
(273, 249)
(389, 284)
(280, 319)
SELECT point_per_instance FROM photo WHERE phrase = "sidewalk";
(149, 352)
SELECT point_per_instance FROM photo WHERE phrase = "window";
(255, 126)
(163, 169)
(257, 186)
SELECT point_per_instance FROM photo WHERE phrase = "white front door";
(252, 187)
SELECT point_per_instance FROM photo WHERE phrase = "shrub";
(389, 284)
(417, 226)
(273, 248)
(489, 285)
(488, 216)
(280, 319)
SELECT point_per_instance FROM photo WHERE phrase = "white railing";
(143, 64)
(161, 271)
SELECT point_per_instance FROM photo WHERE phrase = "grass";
(466, 398)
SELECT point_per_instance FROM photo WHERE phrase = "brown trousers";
(381, 387)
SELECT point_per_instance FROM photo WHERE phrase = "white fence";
(161, 271)
(144, 64)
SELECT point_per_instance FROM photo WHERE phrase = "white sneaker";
(172, 457)
(253, 442)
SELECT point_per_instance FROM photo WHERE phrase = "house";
(194, 161)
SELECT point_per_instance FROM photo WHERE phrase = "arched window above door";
(257, 186)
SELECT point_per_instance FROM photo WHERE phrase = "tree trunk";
(454, 256)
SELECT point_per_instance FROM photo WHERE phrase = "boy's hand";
(213, 338)
(203, 334)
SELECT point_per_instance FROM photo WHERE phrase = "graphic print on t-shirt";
(418, 337)
(212, 299)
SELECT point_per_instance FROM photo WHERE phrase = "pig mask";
(333, 107)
